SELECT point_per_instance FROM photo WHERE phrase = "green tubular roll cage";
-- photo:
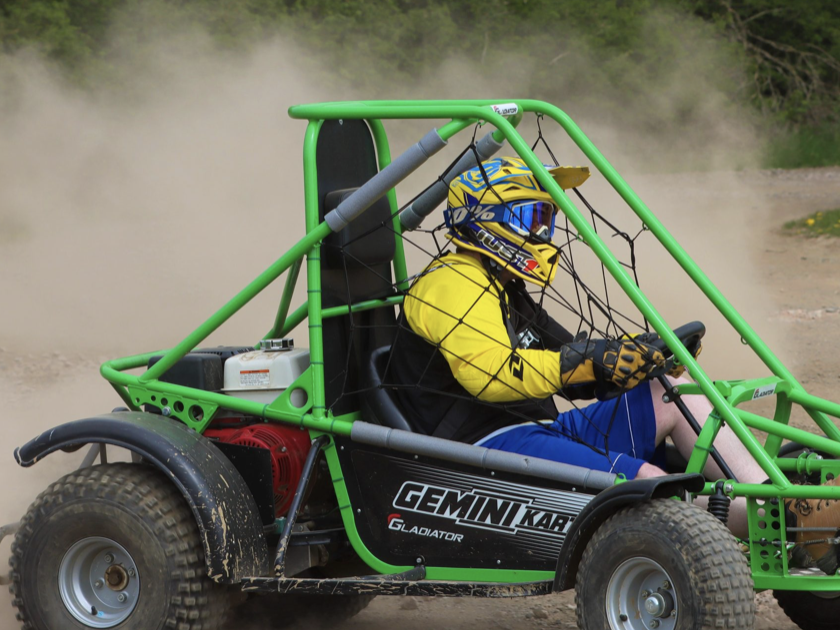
(196, 407)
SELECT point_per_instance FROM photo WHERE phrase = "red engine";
(288, 447)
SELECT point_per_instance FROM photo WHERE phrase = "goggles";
(529, 219)
(532, 219)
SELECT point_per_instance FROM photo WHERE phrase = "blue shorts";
(614, 435)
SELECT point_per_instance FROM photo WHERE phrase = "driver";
(479, 360)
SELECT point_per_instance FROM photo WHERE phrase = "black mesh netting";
(583, 307)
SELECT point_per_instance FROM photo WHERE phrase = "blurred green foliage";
(649, 64)
(825, 223)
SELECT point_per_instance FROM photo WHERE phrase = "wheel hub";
(116, 577)
(641, 596)
(98, 582)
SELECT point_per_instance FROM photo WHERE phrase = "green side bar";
(767, 491)
(790, 433)
(703, 446)
(808, 401)
(795, 583)
(126, 397)
(285, 301)
(784, 407)
(297, 316)
(241, 299)
(313, 268)
(111, 371)
(368, 305)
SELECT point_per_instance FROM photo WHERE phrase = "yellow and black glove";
(605, 368)
(675, 368)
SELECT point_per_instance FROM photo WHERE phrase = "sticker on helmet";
(508, 109)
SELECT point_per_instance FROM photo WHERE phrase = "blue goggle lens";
(532, 218)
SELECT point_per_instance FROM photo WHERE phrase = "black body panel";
(415, 510)
(227, 516)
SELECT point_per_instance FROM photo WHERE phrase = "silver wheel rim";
(98, 582)
(641, 596)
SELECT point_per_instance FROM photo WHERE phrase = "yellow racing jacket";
(457, 306)
(472, 356)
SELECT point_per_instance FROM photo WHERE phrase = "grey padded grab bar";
(490, 459)
(413, 215)
(384, 181)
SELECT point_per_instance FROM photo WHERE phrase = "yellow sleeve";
(457, 307)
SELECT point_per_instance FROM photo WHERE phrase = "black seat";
(379, 398)
(355, 263)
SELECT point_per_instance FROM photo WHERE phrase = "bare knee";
(649, 470)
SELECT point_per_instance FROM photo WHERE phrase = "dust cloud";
(127, 216)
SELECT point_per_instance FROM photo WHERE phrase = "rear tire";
(667, 565)
(809, 610)
(127, 553)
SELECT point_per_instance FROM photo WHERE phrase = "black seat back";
(355, 262)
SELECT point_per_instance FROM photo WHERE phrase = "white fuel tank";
(264, 374)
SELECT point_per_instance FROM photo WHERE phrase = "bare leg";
(669, 421)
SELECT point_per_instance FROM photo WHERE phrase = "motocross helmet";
(507, 217)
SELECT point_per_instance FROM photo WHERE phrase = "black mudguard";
(225, 510)
(607, 503)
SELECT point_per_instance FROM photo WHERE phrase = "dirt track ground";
(62, 291)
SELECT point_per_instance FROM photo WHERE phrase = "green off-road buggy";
(278, 482)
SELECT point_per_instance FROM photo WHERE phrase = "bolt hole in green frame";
(137, 390)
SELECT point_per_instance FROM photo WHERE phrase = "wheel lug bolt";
(673, 613)
(109, 558)
(654, 623)
(131, 572)
(98, 584)
(623, 617)
(666, 585)
(645, 594)
(122, 597)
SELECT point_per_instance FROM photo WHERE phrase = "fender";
(607, 503)
(224, 509)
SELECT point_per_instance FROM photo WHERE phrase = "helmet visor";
(532, 219)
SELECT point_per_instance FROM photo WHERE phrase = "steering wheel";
(690, 334)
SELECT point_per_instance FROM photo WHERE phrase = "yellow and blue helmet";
(508, 216)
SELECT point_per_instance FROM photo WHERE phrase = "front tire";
(113, 546)
(667, 565)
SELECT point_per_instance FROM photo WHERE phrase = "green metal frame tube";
(313, 269)
(790, 433)
(285, 301)
(241, 299)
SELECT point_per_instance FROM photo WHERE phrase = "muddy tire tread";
(714, 560)
(198, 603)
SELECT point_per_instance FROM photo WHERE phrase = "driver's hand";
(678, 369)
(627, 362)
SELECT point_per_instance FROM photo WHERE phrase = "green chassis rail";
(767, 542)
